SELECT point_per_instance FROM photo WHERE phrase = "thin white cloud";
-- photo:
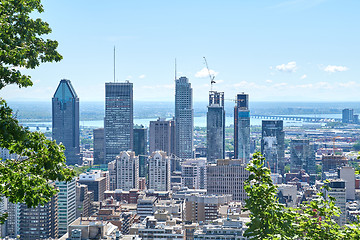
(309, 85)
(316, 86)
(269, 81)
(303, 76)
(280, 85)
(348, 84)
(203, 73)
(142, 76)
(333, 68)
(289, 67)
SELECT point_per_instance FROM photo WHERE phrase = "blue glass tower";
(215, 127)
(242, 127)
(65, 120)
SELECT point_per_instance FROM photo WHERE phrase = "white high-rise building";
(66, 205)
(159, 171)
(348, 174)
(184, 118)
(127, 171)
(338, 191)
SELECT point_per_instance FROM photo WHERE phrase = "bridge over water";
(296, 118)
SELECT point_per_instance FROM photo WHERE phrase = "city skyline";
(310, 54)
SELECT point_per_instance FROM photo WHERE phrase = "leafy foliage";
(269, 218)
(41, 161)
(80, 170)
(26, 179)
(272, 220)
(20, 43)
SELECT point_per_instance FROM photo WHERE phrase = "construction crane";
(211, 76)
(334, 140)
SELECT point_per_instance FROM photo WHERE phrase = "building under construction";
(333, 162)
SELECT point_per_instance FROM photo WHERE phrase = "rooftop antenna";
(114, 63)
(210, 75)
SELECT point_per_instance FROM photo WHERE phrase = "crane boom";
(210, 76)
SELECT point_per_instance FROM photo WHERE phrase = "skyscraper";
(242, 127)
(118, 119)
(99, 146)
(273, 144)
(66, 205)
(161, 135)
(184, 118)
(65, 120)
(215, 127)
(140, 140)
(140, 149)
(302, 156)
(159, 171)
(127, 171)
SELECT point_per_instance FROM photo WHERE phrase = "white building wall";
(348, 174)
(159, 171)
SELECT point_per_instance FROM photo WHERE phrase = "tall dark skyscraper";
(65, 120)
(215, 127)
(118, 122)
(99, 146)
(273, 144)
(242, 127)
(140, 140)
(184, 118)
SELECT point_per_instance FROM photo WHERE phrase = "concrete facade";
(159, 171)
(127, 171)
(227, 177)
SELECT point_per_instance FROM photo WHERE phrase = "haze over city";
(274, 50)
(179, 119)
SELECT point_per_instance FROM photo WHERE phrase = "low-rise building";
(157, 229)
(222, 229)
(202, 208)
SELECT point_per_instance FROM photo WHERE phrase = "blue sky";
(297, 50)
